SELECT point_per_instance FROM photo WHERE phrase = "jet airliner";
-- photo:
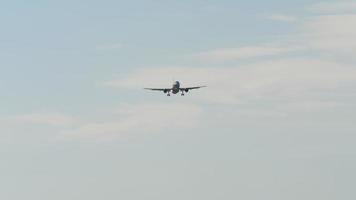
(175, 89)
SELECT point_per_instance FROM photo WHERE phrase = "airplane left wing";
(159, 89)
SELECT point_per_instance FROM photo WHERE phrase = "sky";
(277, 120)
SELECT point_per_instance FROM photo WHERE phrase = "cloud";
(51, 119)
(326, 33)
(333, 33)
(28, 128)
(146, 118)
(334, 7)
(125, 119)
(269, 88)
(309, 106)
(300, 81)
(283, 18)
(280, 79)
(228, 54)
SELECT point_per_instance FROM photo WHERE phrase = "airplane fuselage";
(176, 87)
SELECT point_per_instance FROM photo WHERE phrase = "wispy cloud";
(293, 83)
(51, 119)
(309, 106)
(279, 79)
(122, 120)
(146, 118)
(297, 83)
(334, 31)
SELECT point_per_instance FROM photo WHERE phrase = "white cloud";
(228, 54)
(125, 119)
(325, 33)
(333, 33)
(297, 83)
(330, 33)
(140, 118)
(283, 18)
(32, 127)
(334, 7)
(269, 88)
(309, 106)
(51, 119)
(277, 79)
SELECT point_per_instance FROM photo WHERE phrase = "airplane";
(175, 89)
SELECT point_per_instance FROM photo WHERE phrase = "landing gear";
(182, 94)
(168, 95)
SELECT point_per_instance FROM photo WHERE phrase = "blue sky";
(275, 122)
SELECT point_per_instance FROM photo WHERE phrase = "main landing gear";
(169, 94)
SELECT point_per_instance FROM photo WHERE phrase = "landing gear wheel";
(182, 94)
(168, 95)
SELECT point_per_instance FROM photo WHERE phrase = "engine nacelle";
(186, 90)
(165, 91)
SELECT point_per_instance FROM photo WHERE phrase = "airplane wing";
(159, 89)
(191, 88)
